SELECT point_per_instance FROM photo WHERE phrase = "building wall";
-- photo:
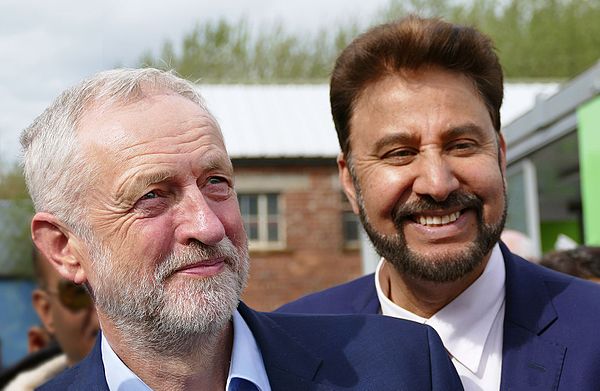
(313, 256)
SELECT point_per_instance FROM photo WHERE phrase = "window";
(262, 219)
(350, 225)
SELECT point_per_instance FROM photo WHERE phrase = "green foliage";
(12, 182)
(535, 39)
(16, 211)
(547, 39)
(224, 52)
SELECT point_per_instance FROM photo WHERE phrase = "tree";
(550, 39)
(16, 211)
(224, 52)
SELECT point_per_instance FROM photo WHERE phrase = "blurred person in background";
(582, 262)
(520, 244)
(68, 331)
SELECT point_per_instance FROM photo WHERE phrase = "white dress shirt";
(470, 326)
(246, 362)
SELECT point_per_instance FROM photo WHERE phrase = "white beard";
(155, 313)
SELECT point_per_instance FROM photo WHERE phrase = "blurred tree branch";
(16, 211)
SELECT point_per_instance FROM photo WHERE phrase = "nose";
(435, 178)
(198, 221)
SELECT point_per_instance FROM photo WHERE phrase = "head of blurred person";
(582, 262)
(66, 311)
(520, 244)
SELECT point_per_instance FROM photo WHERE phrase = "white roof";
(519, 98)
(273, 120)
(295, 120)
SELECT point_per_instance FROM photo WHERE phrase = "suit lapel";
(366, 302)
(289, 365)
(89, 373)
(528, 359)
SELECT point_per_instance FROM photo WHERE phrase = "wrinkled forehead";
(107, 98)
(163, 131)
(153, 116)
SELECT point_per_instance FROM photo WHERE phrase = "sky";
(47, 46)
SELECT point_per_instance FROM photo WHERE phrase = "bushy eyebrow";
(142, 181)
(463, 130)
(408, 138)
(402, 138)
(215, 163)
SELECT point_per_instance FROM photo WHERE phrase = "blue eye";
(217, 187)
(150, 195)
(216, 180)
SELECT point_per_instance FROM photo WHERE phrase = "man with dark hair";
(134, 197)
(416, 105)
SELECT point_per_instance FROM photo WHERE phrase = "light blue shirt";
(246, 363)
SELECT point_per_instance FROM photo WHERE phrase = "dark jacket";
(551, 339)
(337, 352)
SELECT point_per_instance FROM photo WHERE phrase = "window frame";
(263, 218)
(346, 210)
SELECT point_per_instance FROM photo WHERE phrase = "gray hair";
(56, 171)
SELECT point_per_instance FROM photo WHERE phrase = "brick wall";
(314, 256)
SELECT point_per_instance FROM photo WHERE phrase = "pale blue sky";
(46, 46)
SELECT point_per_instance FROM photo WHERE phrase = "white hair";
(56, 170)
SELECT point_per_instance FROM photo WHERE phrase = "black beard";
(442, 268)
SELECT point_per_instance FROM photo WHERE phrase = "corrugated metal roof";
(274, 120)
(519, 98)
(285, 121)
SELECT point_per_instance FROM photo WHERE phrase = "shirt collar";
(246, 359)
(117, 374)
(246, 362)
(465, 323)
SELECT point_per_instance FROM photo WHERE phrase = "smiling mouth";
(436, 221)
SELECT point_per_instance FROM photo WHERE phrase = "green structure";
(588, 117)
(553, 158)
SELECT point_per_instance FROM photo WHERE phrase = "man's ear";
(346, 181)
(41, 305)
(502, 156)
(502, 149)
(59, 246)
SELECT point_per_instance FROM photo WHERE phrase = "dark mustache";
(460, 200)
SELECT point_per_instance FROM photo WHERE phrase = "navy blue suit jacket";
(551, 323)
(305, 352)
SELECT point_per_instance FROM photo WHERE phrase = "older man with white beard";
(134, 197)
